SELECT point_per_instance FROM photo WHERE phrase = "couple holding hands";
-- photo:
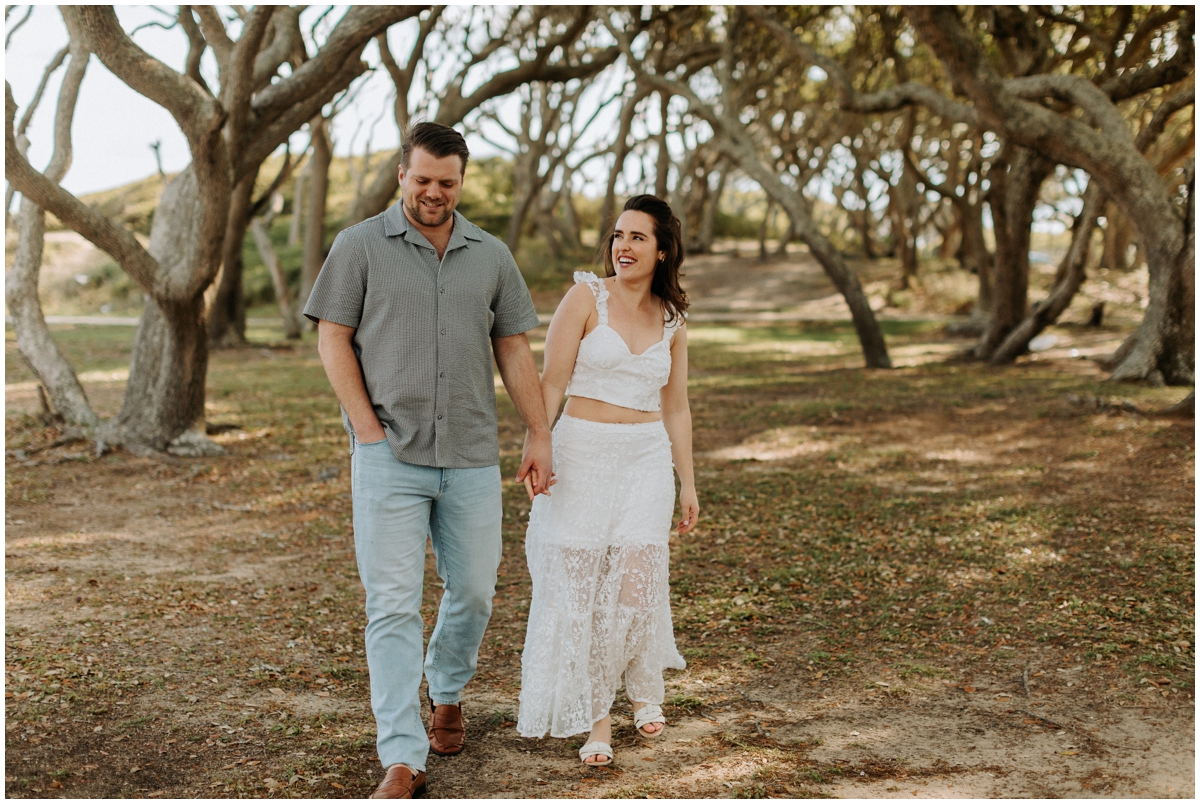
(407, 305)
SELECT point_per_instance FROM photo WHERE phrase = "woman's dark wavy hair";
(668, 232)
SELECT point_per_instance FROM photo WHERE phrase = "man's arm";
(519, 372)
(335, 344)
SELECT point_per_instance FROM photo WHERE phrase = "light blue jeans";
(396, 507)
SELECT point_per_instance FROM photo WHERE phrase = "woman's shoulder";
(579, 300)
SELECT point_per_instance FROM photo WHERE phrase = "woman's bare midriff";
(593, 410)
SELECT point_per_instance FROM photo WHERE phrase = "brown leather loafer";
(400, 782)
(445, 729)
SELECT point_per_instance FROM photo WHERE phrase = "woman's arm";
(677, 419)
(562, 346)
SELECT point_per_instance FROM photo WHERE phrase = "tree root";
(191, 444)
(1183, 409)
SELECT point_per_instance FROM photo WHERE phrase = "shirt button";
(439, 417)
(441, 374)
(443, 290)
(443, 330)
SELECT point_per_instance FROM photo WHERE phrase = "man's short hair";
(435, 139)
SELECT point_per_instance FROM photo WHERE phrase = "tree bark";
(314, 225)
(1163, 349)
(1117, 236)
(227, 315)
(1014, 193)
(900, 204)
(703, 242)
(763, 229)
(663, 166)
(571, 231)
(1070, 277)
(34, 340)
(294, 227)
(1184, 408)
(164, 398)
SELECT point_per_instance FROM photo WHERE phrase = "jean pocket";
(355, 443)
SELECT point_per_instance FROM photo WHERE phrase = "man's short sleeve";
(341, 286)
(512, 305)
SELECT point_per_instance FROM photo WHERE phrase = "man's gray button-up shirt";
(423, 330)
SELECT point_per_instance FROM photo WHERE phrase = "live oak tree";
(1051, 102)
(1099, 141)
(229, 131)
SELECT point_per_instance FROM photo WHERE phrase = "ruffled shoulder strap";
(599, 289)
(670, 329)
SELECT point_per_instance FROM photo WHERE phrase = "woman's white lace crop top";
(606, 370)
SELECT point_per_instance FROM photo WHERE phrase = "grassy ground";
(961, 564)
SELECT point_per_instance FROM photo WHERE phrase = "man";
(406, 305)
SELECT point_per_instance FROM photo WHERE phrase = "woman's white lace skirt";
(597, 552)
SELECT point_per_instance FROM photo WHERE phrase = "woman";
(597, 549)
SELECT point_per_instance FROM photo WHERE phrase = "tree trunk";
(952, 240)
(900, 207)
(1117, 236)
(314, 225)
(34, 340)
(227, 314)
(1163, 348)
(863, 219)
(906, 248)
(789, 234)
(283, 296)
(708, 223)
(1012, 199)
(973, 256)
(294, 228)
(164, 398)
(664, 155)
(525, 193)
(1184, 408)
(1070, 277)
(763, 229)
(572, 233)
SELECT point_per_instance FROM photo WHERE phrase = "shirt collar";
(395, 222)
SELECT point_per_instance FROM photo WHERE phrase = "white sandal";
(594, 748)
(650, 713)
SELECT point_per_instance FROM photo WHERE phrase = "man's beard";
(418, 213)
